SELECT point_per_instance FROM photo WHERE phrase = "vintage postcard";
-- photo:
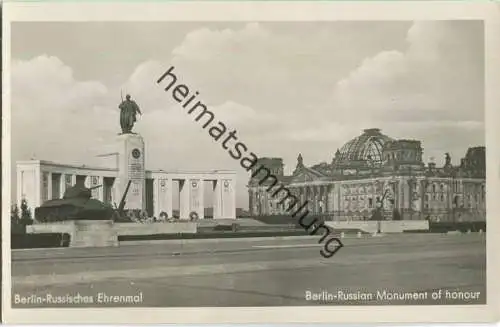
(250, 162)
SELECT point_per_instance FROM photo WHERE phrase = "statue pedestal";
(131, 166)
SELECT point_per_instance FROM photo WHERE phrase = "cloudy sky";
(287, 88)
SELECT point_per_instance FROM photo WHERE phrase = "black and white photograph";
(243, 163)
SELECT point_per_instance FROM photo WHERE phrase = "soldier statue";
(128, 111)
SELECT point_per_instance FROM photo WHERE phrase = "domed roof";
(366, 147)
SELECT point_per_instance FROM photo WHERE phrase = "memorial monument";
(156, 193)
(131, 159)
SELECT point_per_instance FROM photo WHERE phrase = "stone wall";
(104, 233)
(155, 228)
(93, 233)
(83, 233)
(394, 226)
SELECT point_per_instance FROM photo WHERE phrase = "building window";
(433, 188)
(442, 197)
(370, 202)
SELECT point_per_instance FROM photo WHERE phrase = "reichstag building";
(376, 173)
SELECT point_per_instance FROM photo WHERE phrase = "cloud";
(313, 82)
(264, 67)
(53, 115)
(439, 74)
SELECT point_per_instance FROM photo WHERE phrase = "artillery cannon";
(77, 204)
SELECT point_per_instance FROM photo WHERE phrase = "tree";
(26, 218)
(15, 221)
(14, 213)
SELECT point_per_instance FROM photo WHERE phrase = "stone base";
(94, 233)
(83, 233)
(131, 167)
(104, 233)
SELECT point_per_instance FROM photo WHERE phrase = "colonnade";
(192, 195)
(40, 181)
(405, 194)
(319, 199)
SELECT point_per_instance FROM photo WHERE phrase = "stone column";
(317, 198)
(307, 192)
(162, 190)
(253, 194)
(303, 194)
(449, 195)
(87, 183)
(196, 198)
(310, 198)
(332, 198)
(131, 166)
(423, 191)
(38, 188)
(250, 201)
(228, 199)
(50, 190)
(62, 185)
(97, 193)
(184, 209)
(156, 198)
(218, 198)
(168, 204)
(326, 200)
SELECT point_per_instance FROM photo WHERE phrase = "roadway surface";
(267, 272)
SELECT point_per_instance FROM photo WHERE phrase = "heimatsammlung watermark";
(239, 151)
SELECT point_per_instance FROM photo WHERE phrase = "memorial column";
(50, 186)
(184, 199)
(218, 198)
(196, 203)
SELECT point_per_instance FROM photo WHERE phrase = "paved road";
(257, 272)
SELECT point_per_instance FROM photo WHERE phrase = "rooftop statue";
(128, 114)
(447, 160)
(300, 161)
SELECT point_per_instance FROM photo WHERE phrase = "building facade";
(374, 171)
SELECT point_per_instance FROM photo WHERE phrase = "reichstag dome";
(367, 147)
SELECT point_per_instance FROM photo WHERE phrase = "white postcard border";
(269, 11)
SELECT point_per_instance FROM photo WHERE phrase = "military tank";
(77, 204)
